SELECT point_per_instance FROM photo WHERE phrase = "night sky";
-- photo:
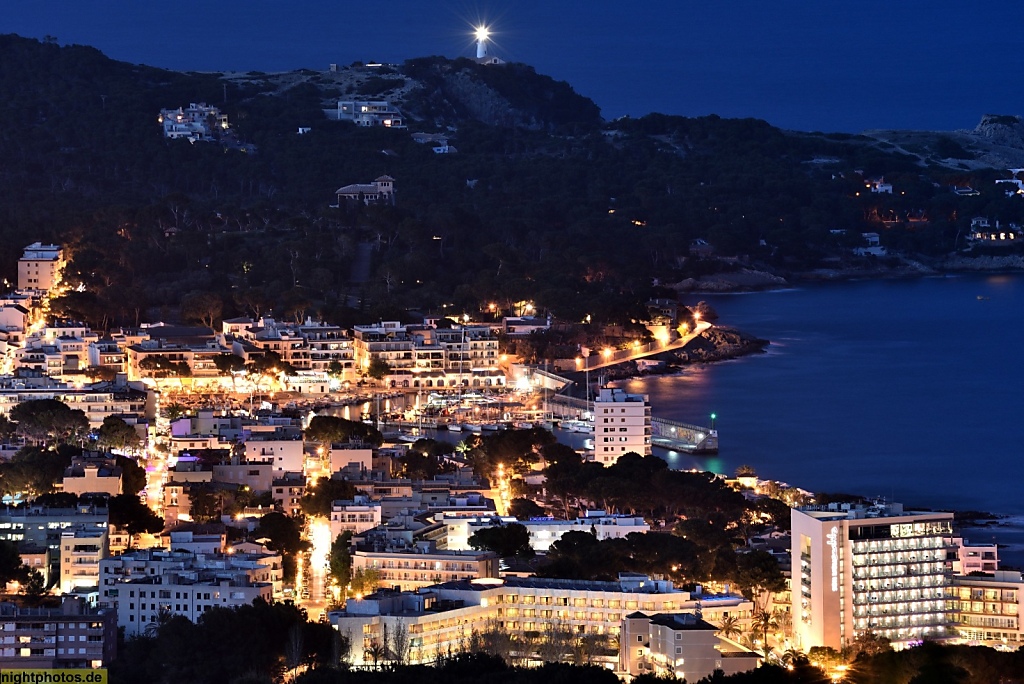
(833, 66)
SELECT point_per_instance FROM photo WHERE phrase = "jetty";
(665, 433)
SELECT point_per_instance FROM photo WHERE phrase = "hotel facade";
(878, 569)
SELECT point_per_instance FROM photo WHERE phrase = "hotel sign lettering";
(833, 543)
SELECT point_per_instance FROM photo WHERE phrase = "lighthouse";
(481, 41)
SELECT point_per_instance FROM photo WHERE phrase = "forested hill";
(543, 201)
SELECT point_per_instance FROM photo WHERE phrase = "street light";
(713, 416)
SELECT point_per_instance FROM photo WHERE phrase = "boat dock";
(666, 434)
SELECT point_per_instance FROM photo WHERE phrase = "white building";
(420, 565)
(879, 569)
(368, 113)
(283, 449)
(143, 601)
(622, 424)
(546, 531)
(989, 607)
(442, 618)
(679, 644)
(141, 583)
(195, 122)
(81, 551)
(40, 267)
(356, 516)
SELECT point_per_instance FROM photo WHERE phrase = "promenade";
(612, 357)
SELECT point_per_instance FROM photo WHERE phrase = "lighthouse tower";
(481, 42)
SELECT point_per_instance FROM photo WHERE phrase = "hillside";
(544, 201)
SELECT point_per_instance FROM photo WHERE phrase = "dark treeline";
(573, 213)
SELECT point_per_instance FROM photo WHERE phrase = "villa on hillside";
(381, 190)
(195, 122)
(370, 113)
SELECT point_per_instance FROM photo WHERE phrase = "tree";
(284, 535)
(204, 504)
(764, 622)
(202, 307)
(758, 574)
(341, 559)
(512, 539)
(41, 420)
(133, 476)
(34, 585)
(115, 433)
(11, 567)
(35, 471)
(126, 511)
(331, 429)
(524, 509)
(335, 369)
(365, 580)
(228, 365)
(729, 627)
(378, 369)
(318, 499)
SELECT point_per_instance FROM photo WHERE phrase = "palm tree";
(376, 653)
(729, 627)
(162, 617)
(765, 622)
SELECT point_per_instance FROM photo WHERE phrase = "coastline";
(885, 268)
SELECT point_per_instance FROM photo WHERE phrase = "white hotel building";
(442, 618)
(622, 424)
(878, 569)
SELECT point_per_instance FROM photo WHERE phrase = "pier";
(666, 434)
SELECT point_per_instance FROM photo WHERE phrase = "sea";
(909, 389)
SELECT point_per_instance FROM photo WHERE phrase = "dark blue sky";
(827, 65)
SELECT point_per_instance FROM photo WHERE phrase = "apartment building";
(256, 574)
(988, 608)
(143, 601)
(41, 527)
(81, 551)
(622, 424)
(40, 267)
(96, 404)
(408, 567)
(427, 356)
(281, 447)
(71, 636)
(355, 516)
(875, 568)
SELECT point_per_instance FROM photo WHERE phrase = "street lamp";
(713, 416)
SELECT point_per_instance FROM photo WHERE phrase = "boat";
(580, 426)
(490, 427)
(522, 425)
(454, 427)
(408, 437)
(472, 427)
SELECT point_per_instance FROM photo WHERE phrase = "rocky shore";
(719, 344)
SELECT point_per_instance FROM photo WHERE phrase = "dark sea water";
(907, 389)
(833, 66)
